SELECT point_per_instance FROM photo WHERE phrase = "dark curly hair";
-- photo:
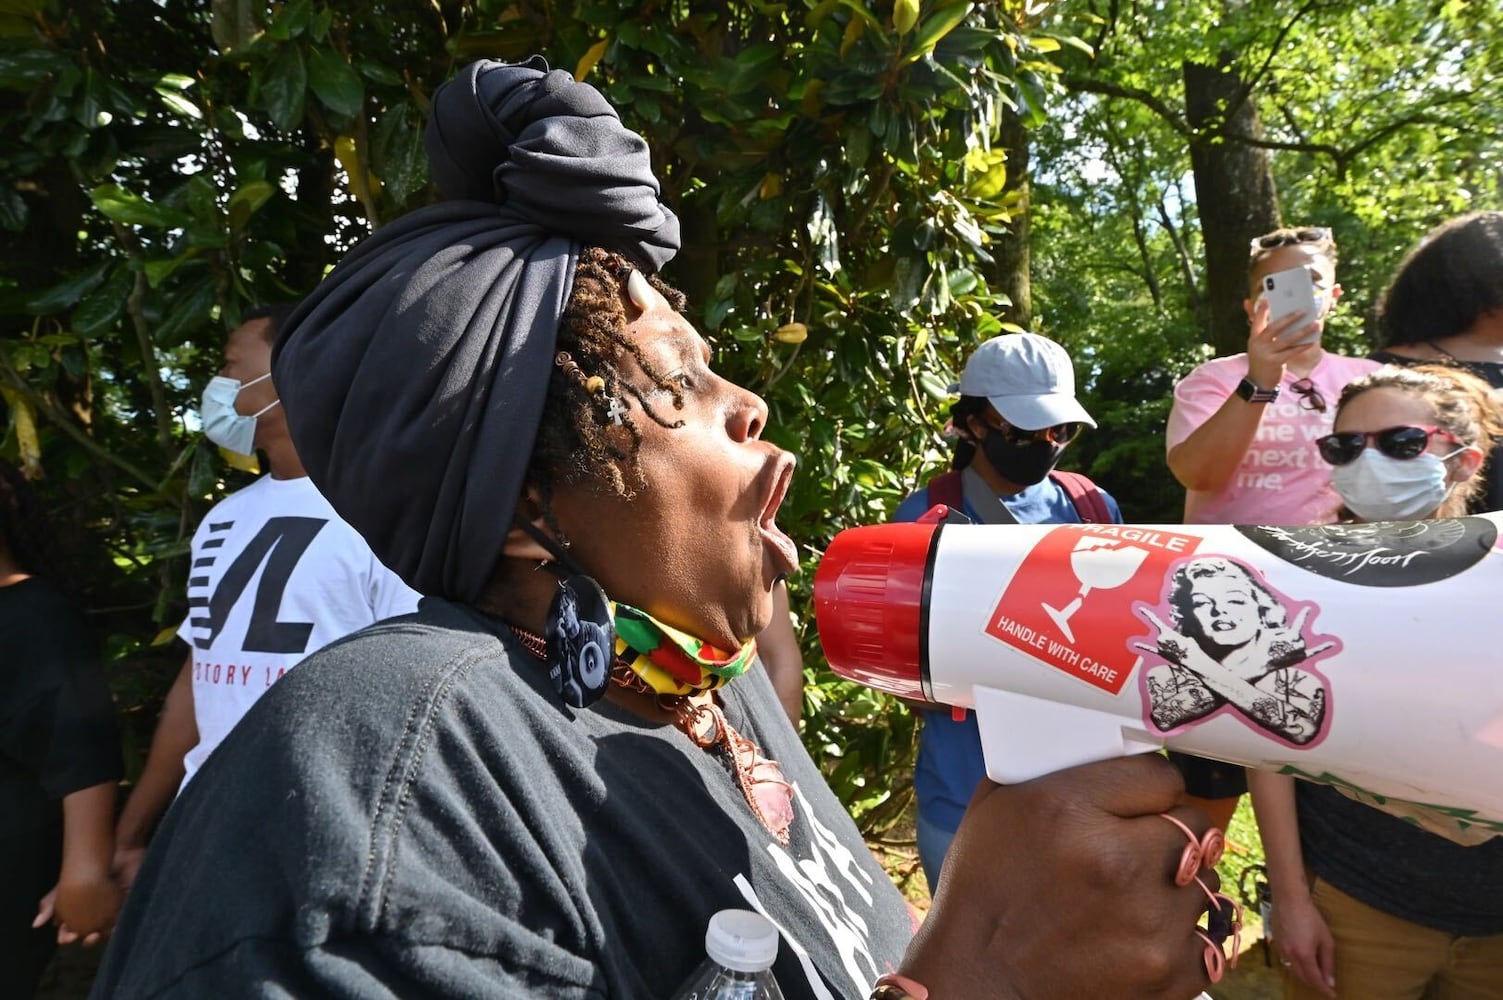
(1453, 277)
(25, 534)
(574, 443)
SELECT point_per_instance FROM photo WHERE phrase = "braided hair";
(574, 442)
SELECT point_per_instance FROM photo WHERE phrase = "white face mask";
(1378, 488)
(223, 424)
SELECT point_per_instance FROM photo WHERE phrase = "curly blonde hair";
(1462, 404)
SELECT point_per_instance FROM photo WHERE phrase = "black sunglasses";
(1291, 237)
(1309, 395)
(1406, 442)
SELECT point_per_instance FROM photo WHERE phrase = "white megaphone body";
(1362, 656)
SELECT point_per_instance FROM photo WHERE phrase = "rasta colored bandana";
(658, 659)
(672, 662)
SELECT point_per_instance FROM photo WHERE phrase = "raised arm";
(1208, 457)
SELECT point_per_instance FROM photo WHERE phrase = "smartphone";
(1289, 292)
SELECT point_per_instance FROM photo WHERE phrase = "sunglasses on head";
(1060, 434)
(1408, 441)
(1291, 237)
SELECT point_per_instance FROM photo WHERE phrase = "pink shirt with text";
(1282, 479)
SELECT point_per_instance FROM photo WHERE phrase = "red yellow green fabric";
(673, 662)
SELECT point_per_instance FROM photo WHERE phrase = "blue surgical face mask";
(1378, 488)
(223, 424)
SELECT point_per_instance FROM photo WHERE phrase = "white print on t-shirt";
(229, 673)
(1263, 468)
(816, 880)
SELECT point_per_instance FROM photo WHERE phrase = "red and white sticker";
(1070, 603)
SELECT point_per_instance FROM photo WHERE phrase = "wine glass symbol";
(1100, 564)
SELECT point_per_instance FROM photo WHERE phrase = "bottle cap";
(742, 940)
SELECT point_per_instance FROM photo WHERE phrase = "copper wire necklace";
(763, 785)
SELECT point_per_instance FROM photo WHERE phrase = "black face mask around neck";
(1024, 464)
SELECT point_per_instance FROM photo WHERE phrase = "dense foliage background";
(868, 189)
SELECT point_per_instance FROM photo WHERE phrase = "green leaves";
(335, 82)
(103, 306)
(68, 291)
(189, 312)
(397, 157)
(284, 82)
(132, 210)
(943, 21)
(233, 23)
(246, 201)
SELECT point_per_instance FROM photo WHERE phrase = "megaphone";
(1353, 655)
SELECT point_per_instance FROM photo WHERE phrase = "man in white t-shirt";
(1241, 435)
(275, 575)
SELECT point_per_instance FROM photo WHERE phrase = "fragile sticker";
(1070, 603)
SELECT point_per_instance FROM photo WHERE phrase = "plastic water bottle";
(742, 945)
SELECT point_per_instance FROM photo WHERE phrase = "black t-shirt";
(1393, 865)
(414, 812)
(57, 727)
(1491, 372)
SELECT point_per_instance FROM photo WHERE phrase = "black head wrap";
(414, 375)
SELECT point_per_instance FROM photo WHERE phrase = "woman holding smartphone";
(1368, 903)
(1241, 435)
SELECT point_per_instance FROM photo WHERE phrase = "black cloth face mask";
(1024, 463)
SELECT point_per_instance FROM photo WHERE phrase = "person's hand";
(1304, 942)
(126, 863)
(1271, 346)
(1171, 644)
(1063, 887)
(83, 909)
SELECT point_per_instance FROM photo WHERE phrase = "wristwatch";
(1249, 390)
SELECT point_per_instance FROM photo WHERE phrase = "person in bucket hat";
(1016, 415)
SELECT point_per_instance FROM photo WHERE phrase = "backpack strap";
(1085, 495)
(947, 489)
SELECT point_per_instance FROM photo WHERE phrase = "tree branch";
(874, 196)
(1187, 269)
(1088, 85)
(1250, 85)
(42, 405)
(152, 369)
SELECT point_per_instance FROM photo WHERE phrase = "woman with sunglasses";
(471, 801)
(1016, 414)
(1445, 306)
(1367, 904)
(1241, 434)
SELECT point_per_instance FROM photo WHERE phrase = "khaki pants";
(1381, 957)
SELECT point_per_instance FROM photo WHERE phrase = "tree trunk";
(1234, 193)
(1010, 272)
